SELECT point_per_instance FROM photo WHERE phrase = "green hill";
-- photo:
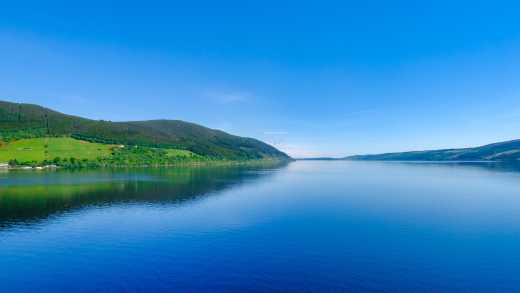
(19, 121)
(502, 151)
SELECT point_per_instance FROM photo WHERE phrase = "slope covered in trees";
(501, 151)
(27, 121)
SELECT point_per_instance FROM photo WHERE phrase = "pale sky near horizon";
(320, 78)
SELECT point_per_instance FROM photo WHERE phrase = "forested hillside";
(501, 151)
(30, 121)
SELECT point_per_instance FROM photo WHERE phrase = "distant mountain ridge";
(501, 151)
(34, 120)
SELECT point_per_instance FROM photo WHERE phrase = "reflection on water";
(28, 197)
(331, 226)
(507, 166)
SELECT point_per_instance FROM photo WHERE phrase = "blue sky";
(322, 78)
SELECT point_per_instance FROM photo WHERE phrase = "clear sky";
(321, 78)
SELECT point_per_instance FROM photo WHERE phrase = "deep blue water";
(304, 227)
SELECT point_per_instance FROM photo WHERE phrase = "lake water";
(311, 226)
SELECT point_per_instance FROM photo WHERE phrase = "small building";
(4, 165)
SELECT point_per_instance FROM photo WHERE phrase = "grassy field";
(48, 148)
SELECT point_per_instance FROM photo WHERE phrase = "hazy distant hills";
(502, 151)
(33, 121)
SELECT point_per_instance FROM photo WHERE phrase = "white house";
(4, 165)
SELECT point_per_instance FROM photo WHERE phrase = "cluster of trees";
(124, 141)
(61, 162)
(128, 156)
(94, 139)
(16, 134)
(144, 156)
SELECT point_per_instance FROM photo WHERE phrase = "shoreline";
(179, 164)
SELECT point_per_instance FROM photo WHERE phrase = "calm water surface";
(306, 226)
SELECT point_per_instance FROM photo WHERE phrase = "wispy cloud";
(276, 132)
(228, 97)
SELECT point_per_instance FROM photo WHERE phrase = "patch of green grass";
(48, 148)
(180, 153)
(73, 153)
